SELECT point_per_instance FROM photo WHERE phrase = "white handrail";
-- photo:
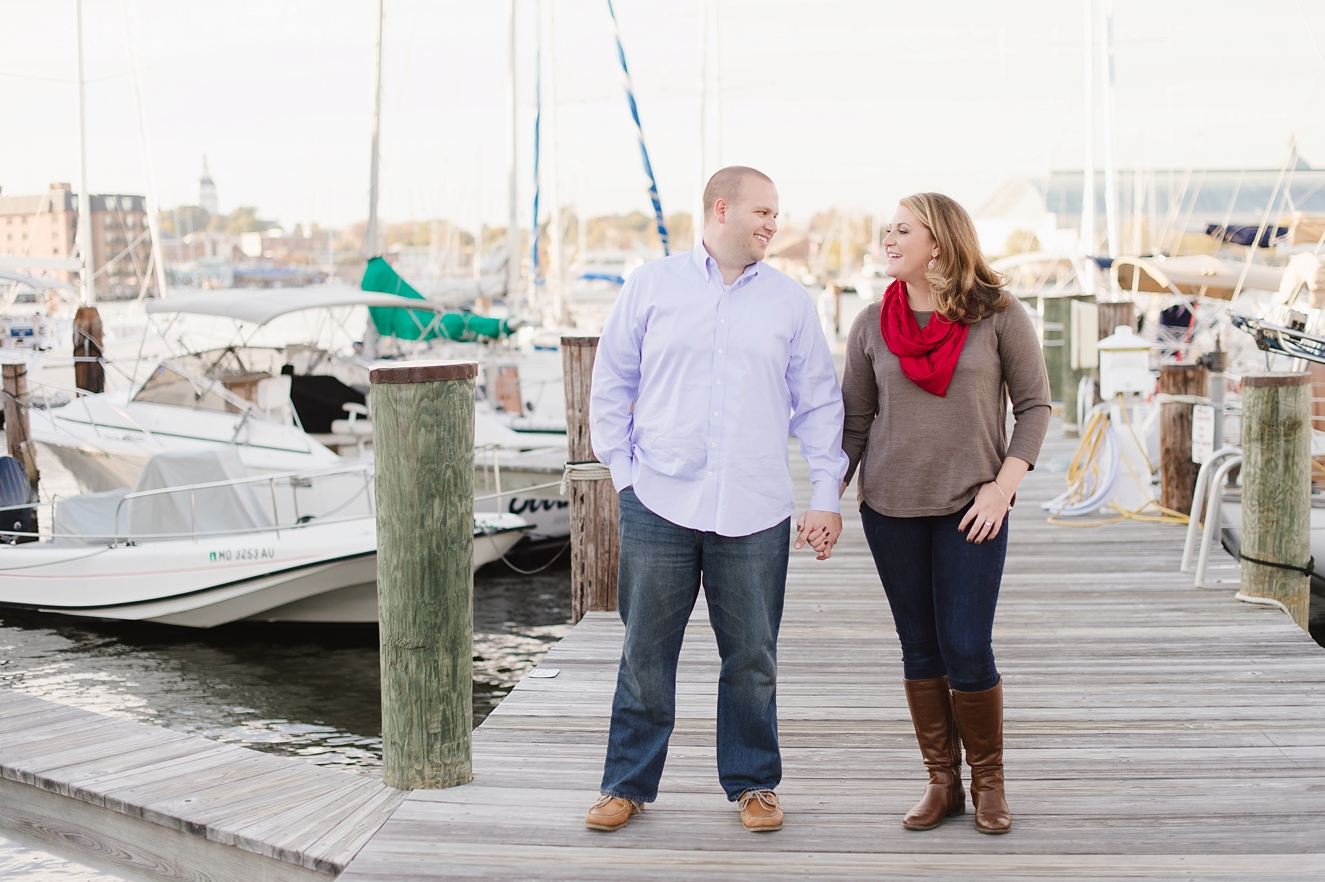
(1213, 516)
(1198, 500)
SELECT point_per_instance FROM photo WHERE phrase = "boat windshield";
(202, 380)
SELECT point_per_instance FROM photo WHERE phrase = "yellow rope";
(1085, 463)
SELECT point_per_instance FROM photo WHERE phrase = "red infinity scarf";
(928, 357)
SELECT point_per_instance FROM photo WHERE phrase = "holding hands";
(821, 529)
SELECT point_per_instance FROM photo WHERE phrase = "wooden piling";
(89, 374)
(1177, 472)
(423, 438)
(17, 430)
(1114, 313)
(1276, 489)
(595, 546)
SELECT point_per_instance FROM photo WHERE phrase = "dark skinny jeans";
(943, 591)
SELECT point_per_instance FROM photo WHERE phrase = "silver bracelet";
(999, 488)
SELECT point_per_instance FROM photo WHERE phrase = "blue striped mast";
(538, 124)
(639, 128)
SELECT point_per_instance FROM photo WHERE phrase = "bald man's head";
(726, 184)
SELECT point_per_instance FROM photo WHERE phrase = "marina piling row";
(1187, 383)
(423, 438)
(1276, 490)
(595, 546)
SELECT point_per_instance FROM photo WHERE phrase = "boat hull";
(256, 577)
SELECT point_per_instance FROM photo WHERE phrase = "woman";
(928, 375)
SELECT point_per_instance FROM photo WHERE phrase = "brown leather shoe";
(610, 813)
(980, 720)
(760, 812)
(936, 731)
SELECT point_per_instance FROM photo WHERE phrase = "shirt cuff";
(623, 472)
(825, 497)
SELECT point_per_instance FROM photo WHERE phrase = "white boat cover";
(261, 306)
(231, 508)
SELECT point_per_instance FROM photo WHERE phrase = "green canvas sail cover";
(415, 324)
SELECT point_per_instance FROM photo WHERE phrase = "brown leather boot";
(936, 731)
(980, 721)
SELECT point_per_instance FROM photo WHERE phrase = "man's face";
(749, 223)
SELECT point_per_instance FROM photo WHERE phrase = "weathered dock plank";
(135, 799)
(1153, 731)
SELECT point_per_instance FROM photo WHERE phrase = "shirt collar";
(708, 266)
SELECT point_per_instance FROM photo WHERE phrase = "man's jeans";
(943, 591)
(744, 580)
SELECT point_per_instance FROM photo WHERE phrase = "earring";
(932, 261)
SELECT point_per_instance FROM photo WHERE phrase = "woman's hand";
(985, 516)
(841, 491)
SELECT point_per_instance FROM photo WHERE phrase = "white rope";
(1267, 601)
(1165, 398)
(583, 471)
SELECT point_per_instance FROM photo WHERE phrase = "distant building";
(1155, 206)
(207, 191)
(46, 225)
(40, 226)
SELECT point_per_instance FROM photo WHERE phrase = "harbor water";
(298, 690)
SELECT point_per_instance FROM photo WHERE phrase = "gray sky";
(848, 103)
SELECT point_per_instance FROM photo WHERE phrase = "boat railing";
(78, 394)
(293, 480)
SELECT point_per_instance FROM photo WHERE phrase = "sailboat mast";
(697, 223)
(84, 198)
(371, 248)
(1110, 170)
(1088, 167)
(513, 189)
(149, 167)
(556, 268)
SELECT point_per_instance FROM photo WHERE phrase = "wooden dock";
(1153, 731)
(149, 803)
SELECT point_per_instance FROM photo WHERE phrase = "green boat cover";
(416, 324)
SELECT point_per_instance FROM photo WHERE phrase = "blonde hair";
(966, 288)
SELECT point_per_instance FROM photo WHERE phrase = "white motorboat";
(222, 546)
(242, 397)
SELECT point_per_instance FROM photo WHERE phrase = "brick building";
(46, 225)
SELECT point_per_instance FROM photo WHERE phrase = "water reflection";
(296, 690)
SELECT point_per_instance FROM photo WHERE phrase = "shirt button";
(722, 321)
(714, 444)
(719, 382)
(710, 474)
(715, 413)
(719, 352)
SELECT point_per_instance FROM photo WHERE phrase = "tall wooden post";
(1114, 313)
(1177, 472)
(89, 375)
(17, 431)
(423, 439)
(595, 546)
(1276, 489)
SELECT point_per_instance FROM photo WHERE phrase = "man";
(702, 360)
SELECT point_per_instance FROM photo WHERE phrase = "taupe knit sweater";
(922, 455)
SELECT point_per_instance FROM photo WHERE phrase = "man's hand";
(821, 529)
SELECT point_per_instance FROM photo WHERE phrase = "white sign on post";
(1203, 432)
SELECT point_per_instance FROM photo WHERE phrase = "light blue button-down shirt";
(697, 385)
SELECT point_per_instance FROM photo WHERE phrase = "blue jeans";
(745, 579)
(943, 591)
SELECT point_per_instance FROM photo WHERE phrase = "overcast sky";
(848, 104)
